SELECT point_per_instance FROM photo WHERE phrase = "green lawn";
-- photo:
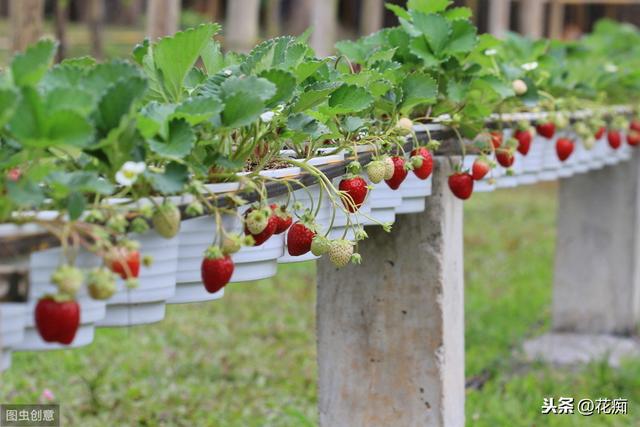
(249, 360)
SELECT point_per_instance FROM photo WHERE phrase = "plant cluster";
(94, 151)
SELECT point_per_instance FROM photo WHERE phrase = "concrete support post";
(242, 28)
(499, 17)
(391, 331)
(596, 293)
(532, 18)
(597, 271)
(324, 20)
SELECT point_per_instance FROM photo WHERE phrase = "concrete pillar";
(597, 268)
(556, 21)
(499, 17)
(242, 25)
(371, 16)
(391, 331)
(324, 20)
(532, 18)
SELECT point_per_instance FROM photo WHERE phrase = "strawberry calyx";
(214, 252)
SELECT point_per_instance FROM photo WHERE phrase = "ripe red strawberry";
(633, 138)
(546, 129)
(356, 188)
(284, 218)
(125, 263)
(496, 139)
(57, 321)
(635, 125)
(480, 169)
(299, 239)
(424, 170)
(600, 133)
(505, 158)
(461, 185)
(268, 231)
(216, 269)
(615, 139)
(564, 148)
(399, 173)
(524, 138)
(14, 174)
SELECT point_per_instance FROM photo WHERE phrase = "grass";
(249, 360)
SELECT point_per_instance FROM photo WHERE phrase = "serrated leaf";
(140, 51)
(9, 99)
(28, 68)
(179, 142)
(458, 13)
(198, 110)
(241, 109)
(28, 121)
(313, 96)
(70, 98)
(172, 181)
(353, 50)
(428, 6)
(25, 193)
(153, 119)
(66, 127)
(420, 48)
(418, 89)
(79, 62)
(175, 56)
(76, 205)
(435, 29)
(104, 75)
(398, 11)
(308, 125)
(306, 69)
(252, 85)
(285, 84)
(463, 37)
(350, 99)
(212, 57)
(117, 101)
(352, 123)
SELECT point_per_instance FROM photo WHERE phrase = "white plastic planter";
(384, 202)
(12, 325)
(146, 303)
(533, 162)
(581, 163)
(258, 262)
(41, 265)
(550, 162)
(414, 192)
(196, 235)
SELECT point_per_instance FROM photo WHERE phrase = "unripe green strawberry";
(376, 171)
(101, 283)
(257, 220)
(231, 244)
(340, 252)
(166, 220)
(389, 167)
(68, 279)
(194, 208)
(139, 225)
(320, 245)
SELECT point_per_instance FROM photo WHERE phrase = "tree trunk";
(371, 17)
(26, 17)
(163, 18)
(243, 21)
(60, 19)
(499, 14)
(532, 18)
(131, 11)
(273, 18)
(299, 19)
(325, 24)
(95, 21)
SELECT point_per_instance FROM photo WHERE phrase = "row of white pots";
(542, 163)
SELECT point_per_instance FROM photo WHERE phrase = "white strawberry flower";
(227, 72)
(491, 52)
(267, 116)
(530, 66)
(128, 173)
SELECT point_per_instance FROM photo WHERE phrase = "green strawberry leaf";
(25, 193)
(398, 11)
(173, 180)
(435, 29)
(70, 98)
(458, 13)
(117, 102)
(9, 99)
(66, 127)
(213, 58)
(28, 68)
(178, 144)
(418, 89)
(463, 37)
(250, 85)
(350, 99)
(285, 84)
(241, 109)
(428, 6)
(28, 121)
(198, 110)
(420, 48)
(153, 119)
(314, 95)
(175, 56)
(76, 204)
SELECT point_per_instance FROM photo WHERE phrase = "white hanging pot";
(414, 192)
(533, 162)
(384, 202)
(258, 262)
(624, 152)
(12, 325)
(581, 162)
(550, 162)
(146, 303)
(195, 236)
(41, 266)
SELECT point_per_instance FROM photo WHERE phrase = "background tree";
(26, 18)
(242, 25)
(163, 17)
